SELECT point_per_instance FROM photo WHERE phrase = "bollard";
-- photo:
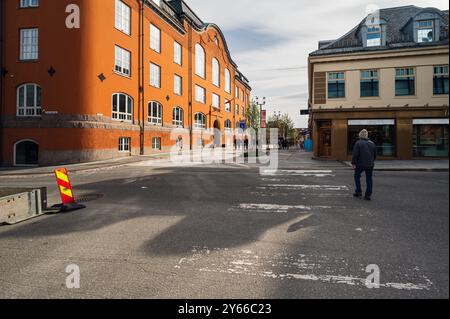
(65, 190)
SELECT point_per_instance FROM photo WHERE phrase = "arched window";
(122, 107)
(200, 61)
(215, 72)
(228, 126)
(178, 117)
(26, 153)
(200, 121)
(155, 113)
(227, 81)
(29, 100)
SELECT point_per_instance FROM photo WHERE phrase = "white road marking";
(311, 187)
(281, 266)
(277, 208)
(306, 173)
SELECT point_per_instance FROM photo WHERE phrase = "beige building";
(388, 75)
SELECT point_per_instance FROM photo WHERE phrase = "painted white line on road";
(275, 208)
(281, 266)
(305, 173)
(310, 187)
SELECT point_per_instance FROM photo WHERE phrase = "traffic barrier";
(66, 192)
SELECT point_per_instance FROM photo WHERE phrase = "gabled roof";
(396, 20)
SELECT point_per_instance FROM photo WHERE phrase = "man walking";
(364, 156)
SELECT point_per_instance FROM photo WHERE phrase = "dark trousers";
(369, 180)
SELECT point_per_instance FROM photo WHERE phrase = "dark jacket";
(364, 154)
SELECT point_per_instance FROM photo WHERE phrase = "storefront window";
(381, 132)
(430, 140)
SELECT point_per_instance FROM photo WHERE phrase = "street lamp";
(260, 109)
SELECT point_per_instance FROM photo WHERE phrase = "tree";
(284, 124)
(253, 116)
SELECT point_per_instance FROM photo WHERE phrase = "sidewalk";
(412, 165)
(74, 168)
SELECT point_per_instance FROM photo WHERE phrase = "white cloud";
(297, 26)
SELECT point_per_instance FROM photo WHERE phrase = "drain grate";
(88, 198)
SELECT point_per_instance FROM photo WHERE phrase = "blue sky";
(270, 40)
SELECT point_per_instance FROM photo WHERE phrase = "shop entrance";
(325, 139)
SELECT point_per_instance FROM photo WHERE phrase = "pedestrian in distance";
(363, 160)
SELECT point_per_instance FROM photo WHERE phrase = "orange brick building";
(114, 84)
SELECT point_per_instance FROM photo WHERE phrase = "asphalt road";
(226, 231)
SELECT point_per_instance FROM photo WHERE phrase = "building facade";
(388, 75)
(118, 83)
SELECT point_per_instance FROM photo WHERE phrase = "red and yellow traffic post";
(66, 191)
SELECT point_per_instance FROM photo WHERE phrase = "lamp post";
(260, 121)
(260, 109)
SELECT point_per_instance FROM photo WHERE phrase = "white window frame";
(155, 38)
(427, 28)
(177, 53)
(178, 117)
(228, 126)
(156, 143)
(122, 61)
(227, 105)
(200, 94)
(122, 17)
(29, 3)
(374, 29)
(215, 72)
(200, 120)
(155, 113)
(122, 116)
(227, 81)
(29, 44)
(200, 61)
(155, 75)
(177, 85)
(25, 110)
(124, 144)
(215, 101)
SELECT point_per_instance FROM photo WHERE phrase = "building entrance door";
(325, 140)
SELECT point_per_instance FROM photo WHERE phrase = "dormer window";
(373, 36)
(425, 31)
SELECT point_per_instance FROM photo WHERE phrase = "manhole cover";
(88, 198)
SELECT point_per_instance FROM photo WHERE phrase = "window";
(336, 85)
(215, 72)
(29, 3)
(216, 101)
(155, 75)
(26, 153)
(177, 53)
(177, 85)
(123, 17)
(200, 94)
(124, 144)
(381, 132)
(425, 31)
(405, 82)
(227, 125)
(178, 117)
(430, 137)
(227, 106)
(369, 83)
(236, 92)
(122, 61)
(29, 44)
(155, 38)
(122, 107)
(155, 113)
(200, 121)
(373, 36)
(200, 61)
(440, 80)
(227, 81)
(29, 100)
(243, 111)
(156, 143)
(237, 109)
